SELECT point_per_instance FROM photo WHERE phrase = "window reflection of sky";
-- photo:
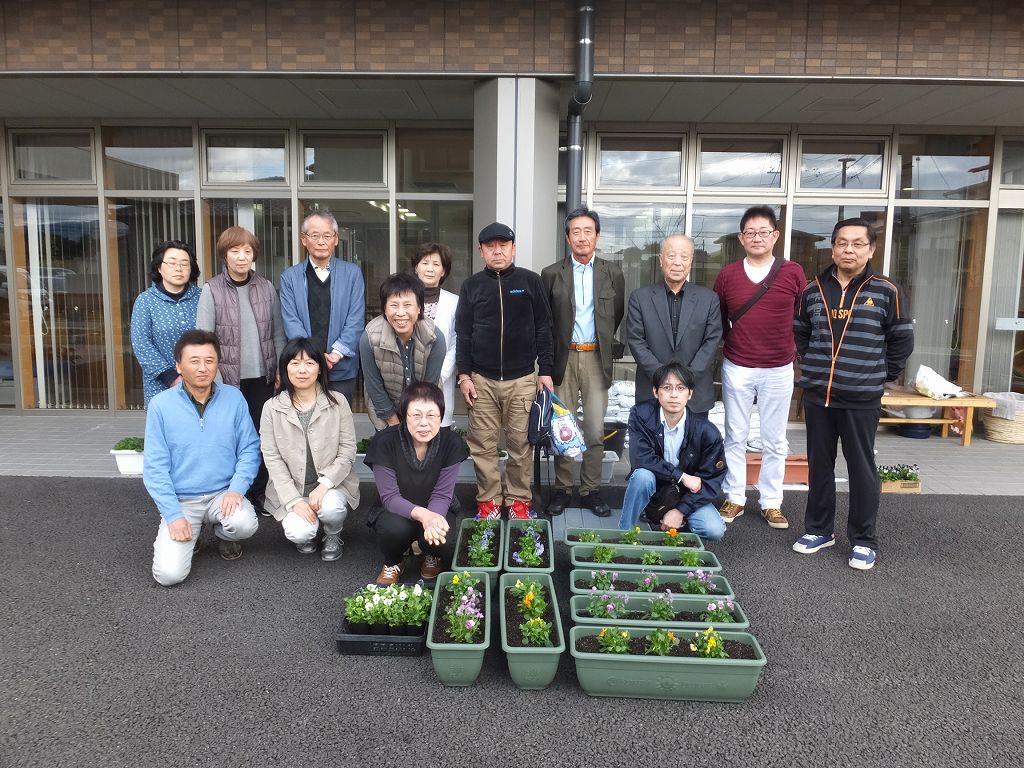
(746, 169)
(171, 160)
(826, 171)
(943, 175)
(242, 164)
(650, 168)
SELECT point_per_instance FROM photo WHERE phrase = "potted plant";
(900, 478)
(531, 629)
(665, 609)
(665, 559)
(479, 547)
(633, 537)
(528, 547)
(385, 621)
(460, 628)
(127, 452)
(640, 583)
(644, 663)
(363, 472)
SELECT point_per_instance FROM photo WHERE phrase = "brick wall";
(947, 38)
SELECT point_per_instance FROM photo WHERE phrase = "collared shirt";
(583, 329)
(201, 407)
(673, 438)
(322, 272)
(675, 306)
(408, 353)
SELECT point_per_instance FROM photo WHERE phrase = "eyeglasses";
(764, 234)
(417, 417)
(857, 245)
(318, 237)
(668, 389)
(177, 264)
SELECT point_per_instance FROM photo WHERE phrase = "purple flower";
(470, 624)
(517, 558)
(540, 548)
(610, 607)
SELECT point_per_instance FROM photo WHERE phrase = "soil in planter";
(515, 542)
(638, 647)
(625, 560)
(513, 618)
(641, 616)
(462, 556)
(624, 585)
(618, 540)
(441, 633)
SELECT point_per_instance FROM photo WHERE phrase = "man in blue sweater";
(202, 454)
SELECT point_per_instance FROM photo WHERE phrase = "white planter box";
(128, 462)
(467, 473)
(547, 467)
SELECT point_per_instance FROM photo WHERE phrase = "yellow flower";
(637, 529)
(601, 633)
(528, 599)
(455, 579)
(519, 584)
(625, 635)
(711, 643)
(693, 648)
(672, 532)
(708, 631)
(671, 637)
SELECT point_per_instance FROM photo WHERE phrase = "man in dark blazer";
(675, 321)
(587, 297)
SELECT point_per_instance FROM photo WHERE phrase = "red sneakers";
(520, 510)
(488, 510)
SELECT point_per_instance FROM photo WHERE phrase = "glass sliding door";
(59, 285)
(7, 293)
(268, 219)
(1004, 351)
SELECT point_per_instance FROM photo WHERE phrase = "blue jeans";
(704, 521)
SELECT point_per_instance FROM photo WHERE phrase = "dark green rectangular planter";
(709, 561)
(459, 664)
(693, 541)
(532, 668)
(665, 581)
(509, 565)
(695, 603)
(666, 677)
(491, 571)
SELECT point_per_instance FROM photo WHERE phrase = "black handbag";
(665, 498)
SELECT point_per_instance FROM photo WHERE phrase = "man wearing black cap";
(503, 327)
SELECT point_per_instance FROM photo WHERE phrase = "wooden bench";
(901, 400)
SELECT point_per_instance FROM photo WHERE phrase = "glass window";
(135, 227)
(945, 167)
(53, 156)
(628, 161)
(246, 158)
(741, 162)
(1013, 163)
(451, 223)
(937, 258)
(343, 158)
(716, 241)
(435, 160)
(810, 244)
(60, 302)
(148, 158)
(845, 164)
(7, 292)
(268, 219)
(1004, 347)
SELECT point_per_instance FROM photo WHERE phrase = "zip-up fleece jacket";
(191, 456)
(702, 454)
(851, 342)
(503, 325)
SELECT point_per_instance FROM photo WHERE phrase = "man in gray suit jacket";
(674, 321)
(587, 297)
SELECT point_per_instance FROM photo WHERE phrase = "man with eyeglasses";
(675, 321)
(758, 296)
(854, 334)
(678, 461)
(323, 298)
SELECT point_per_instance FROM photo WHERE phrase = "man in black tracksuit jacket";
(503, 327)
(853, 335)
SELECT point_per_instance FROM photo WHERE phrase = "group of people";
(249, 391)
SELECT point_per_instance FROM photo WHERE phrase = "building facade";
(127, 123)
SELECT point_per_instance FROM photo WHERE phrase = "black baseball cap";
(496, 231)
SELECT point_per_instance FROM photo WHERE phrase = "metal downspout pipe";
(577, 103)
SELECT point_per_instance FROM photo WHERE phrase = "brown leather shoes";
(730, 511)
(389, 574)
(430, 568)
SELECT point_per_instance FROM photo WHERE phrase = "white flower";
(402, 595)
(417, 590)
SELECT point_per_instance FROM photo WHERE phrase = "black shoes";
(559, 500)
(595, 503)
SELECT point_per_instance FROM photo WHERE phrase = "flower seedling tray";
(647, 538)
(665, 581)
(709, 561)
(689, 603)
(351, 644)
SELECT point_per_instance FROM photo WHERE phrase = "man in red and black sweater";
(759, 353)
(853, 334)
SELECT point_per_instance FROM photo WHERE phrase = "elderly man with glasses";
(323, 298)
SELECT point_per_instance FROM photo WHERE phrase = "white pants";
(773, 388)
(332, 514)
(172, 560)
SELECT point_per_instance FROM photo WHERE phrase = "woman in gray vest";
(243, 310)
(397, 348)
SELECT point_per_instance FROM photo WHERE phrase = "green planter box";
(665, 581)
(709, 561)
(459, 664)
(666, 677)
(608, 536)
(532, 668)
(492, 571)
(695, 603)
(509, 565)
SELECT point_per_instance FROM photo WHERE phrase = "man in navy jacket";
(667, 445)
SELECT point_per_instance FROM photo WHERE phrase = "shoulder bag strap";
(762, 289)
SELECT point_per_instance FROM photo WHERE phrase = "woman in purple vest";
(242, 309)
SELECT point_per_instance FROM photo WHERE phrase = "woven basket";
(1004, 430)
